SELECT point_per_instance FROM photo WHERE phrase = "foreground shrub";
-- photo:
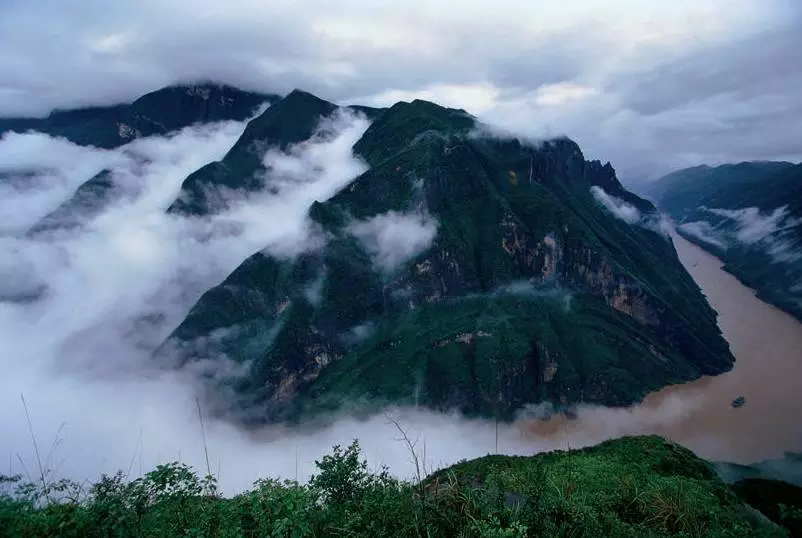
(640, 486)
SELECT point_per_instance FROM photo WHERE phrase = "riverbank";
(767, 344)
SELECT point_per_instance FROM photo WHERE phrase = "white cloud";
(619, 208)
(359, 333)
(81, 354)
(753, 225)
(532, 66)
(475, 98)
(393, 238)
(756, 228)
(630, 214)
(113, 43)
(529, 289)
(115, 288)
(311, 171)
(40, 173)
(783, 251)
(314, 292)
(704, 231)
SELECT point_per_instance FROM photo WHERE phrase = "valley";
(767, 344)
(489, 270)
(404, 259)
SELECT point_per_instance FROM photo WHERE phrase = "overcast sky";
(649, 85)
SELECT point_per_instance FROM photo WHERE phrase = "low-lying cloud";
(754, 225)
(37, 172)
(768, 230)
(619, 208)
(629, 213)
(100, 298)
(80, 351)
(115, 288)
(703, 231)
(526, 288)
(393, 238)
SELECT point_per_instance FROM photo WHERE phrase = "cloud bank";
(619, 208)
(755, 228)
(703, 231)
(630, 214)
(80, 353)
(108, 293)
(680, 81)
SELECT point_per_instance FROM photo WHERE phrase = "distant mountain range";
(156, 113)
(535, 277)
(748, 214)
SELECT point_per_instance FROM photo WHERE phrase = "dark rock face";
(291, 120)
(750, 216)
(157, 113)
(523, 289)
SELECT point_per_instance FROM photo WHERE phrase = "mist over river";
(767, 344)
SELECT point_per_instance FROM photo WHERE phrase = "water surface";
(767, 344)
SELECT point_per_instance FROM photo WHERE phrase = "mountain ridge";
(750, 216)
(505, 213)
(159, 112)
(461, 270)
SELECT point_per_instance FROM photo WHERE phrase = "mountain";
(156, 113)
(289, 121)
(684, 190)
(462, 270)
(750, 216)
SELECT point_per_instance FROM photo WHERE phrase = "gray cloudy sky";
(649, 85)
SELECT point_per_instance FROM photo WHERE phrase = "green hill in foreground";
(636, 486)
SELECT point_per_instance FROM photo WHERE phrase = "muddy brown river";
(767, 344)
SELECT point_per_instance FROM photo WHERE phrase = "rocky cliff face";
(461, 270)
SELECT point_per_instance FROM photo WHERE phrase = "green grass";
(639, 486)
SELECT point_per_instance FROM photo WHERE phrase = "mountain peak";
(288, 121)
(297, 93)
(401, 124)
(459, 253)
(159, 112)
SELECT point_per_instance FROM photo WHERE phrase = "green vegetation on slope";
(779, 501)
(630, 487)
(682, 191)
(750, 216)
(438, 328)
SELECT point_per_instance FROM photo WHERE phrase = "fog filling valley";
(82, 310)
(100, 298)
